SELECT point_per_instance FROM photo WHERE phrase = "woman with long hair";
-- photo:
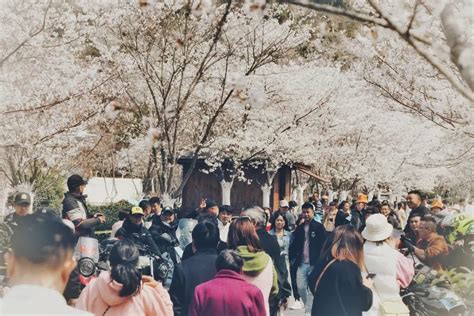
(280, 229)
(123, 290)
(339, 288)
(329, 220)
(258, 266)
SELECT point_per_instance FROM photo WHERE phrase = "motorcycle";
(423, 299)
(158, 267)
(92, 257)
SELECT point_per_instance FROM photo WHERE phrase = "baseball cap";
(22, 198)
(167, 209)
(284, 203)
(74, 181)
(136, 210)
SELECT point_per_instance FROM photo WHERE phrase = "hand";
(301, 222)
(368, 283)
(101, 219)
(72, 302)
(148, 280)
(202, 205)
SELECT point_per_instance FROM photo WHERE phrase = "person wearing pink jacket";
(123, 290)
(228, 294)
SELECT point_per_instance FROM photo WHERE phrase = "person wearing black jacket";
(164, 233)
(133, 229)
(308, 240)
(336, 280)
(358, 213)
(343, 216)
(197, 269)
(270, 245)
(75, 208)
(415, 203)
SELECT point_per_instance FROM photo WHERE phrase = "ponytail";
(123, 260)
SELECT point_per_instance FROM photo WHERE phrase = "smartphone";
(371, 275)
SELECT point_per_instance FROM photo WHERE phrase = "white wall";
(110, 190)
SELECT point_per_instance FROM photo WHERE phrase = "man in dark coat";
(22, 203)
(164, 233)
(197, 269)
(415, 203)
(358, 213)
(308, 240)
(270, 245)
(75, 208)
(133, 230)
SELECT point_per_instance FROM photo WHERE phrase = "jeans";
(302, 281)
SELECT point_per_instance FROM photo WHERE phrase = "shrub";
(111, 213)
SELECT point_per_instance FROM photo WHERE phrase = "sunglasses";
(241, 218)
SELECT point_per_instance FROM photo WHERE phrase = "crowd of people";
(330, 258)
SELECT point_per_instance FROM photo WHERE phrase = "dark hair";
(386, 203)
(274, 218)
(226, 208)
(123, 260)
(229, 260)
(43, 238)
(292, 204)
(242, 233)
(372, 210)
(307, 205)
(123, 214)
(400, 204)
(144, 204)
(417, 192)
(154, 200)
(431, 222)
(210, 203)
(205, 235)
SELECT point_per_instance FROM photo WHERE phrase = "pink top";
(405, 270)
(101, 297)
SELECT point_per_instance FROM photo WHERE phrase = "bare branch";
(25, 41)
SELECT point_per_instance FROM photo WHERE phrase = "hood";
(109, 290)
(254, 262)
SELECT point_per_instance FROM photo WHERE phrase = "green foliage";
(49, 190)
(460, 280)
(111, 213)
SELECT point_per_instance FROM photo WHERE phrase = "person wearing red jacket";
(228, 293)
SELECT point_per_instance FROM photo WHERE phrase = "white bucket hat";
(377, 228)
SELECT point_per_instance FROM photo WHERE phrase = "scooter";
(423, 299)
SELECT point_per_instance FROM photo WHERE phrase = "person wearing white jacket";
(392, 270)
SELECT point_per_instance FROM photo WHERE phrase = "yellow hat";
(362, 198)
(136, 210)
(438, 204)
